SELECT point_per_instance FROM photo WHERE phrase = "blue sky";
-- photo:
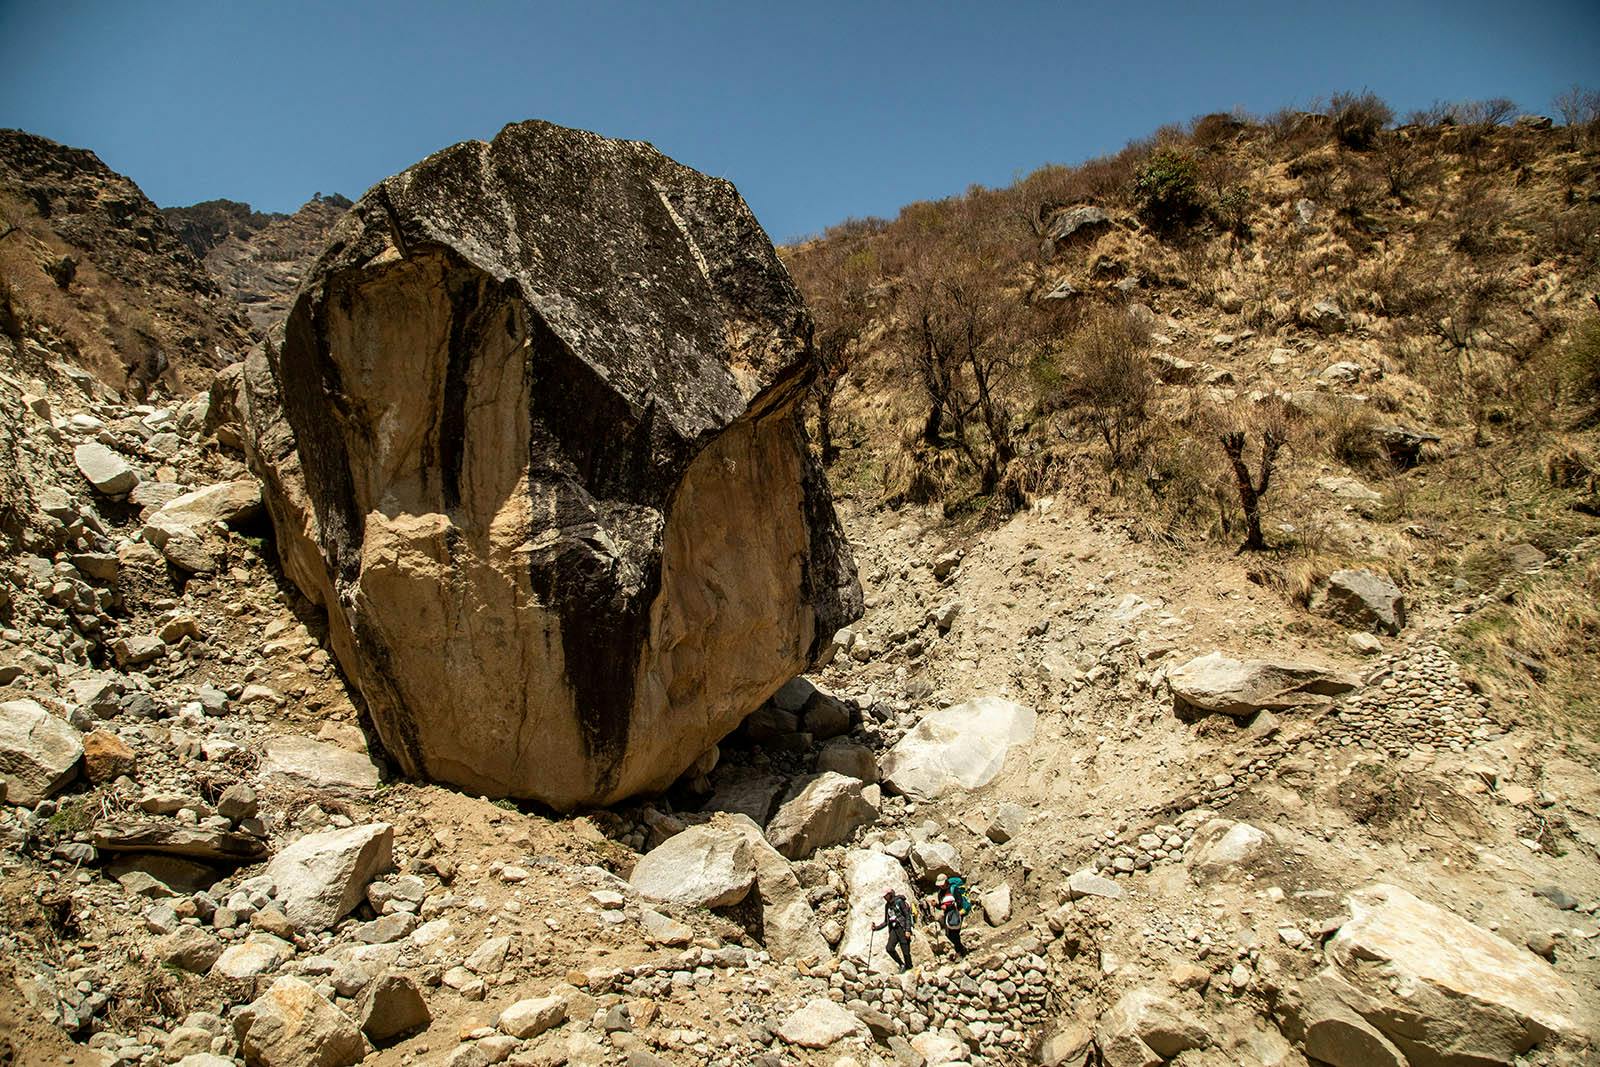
(818, 111)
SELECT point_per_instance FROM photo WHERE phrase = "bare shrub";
(1358, 118)
(1580, 114)
(1111, 383)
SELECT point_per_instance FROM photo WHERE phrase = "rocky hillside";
(1332, 803)
(257, 257)
(92, 276)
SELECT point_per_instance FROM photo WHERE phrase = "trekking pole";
(872, 935)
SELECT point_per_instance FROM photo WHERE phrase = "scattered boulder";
(868, 875)
(960, 747)
(390, 1007)
(39, 753)
(1068, 1046)
(996, 904)
(788, 924)
(1175, 370)
(188, 948)
(1144, 1020)
(752, 796)
(819, 810)
(291, 1025)
(848, 758)
(825, 716)
(706, 866)
(1074, 225)
(1445, 991)
(643, 623)
(137, 650)
(662, 929)
(820, 1023)
(1087, 883)
(257, 954)
(321, 877)
(1362, 598)
(1221, 844)
(1007, 823)
(1319, 1014)
(176, 839)
(1216, 683)
(532, 1017)
(104, 469)
(930, 859)
(317, 764)
(106, 757)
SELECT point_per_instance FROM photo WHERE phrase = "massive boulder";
(530, 435)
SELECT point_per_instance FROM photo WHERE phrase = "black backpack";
(952, 918)
(899, 915)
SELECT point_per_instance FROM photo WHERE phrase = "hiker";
(949, 896)
(897, 919)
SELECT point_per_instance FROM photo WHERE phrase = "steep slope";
(258, 258)
(92, 273)
(1409, 311)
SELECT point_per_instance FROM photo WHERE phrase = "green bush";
(1166, 192)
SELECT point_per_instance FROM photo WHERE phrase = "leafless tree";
(1274, 434)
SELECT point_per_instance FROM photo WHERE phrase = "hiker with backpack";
(897, 920)
(951, 905)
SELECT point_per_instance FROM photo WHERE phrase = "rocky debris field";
(203, 864)
(1196, 829)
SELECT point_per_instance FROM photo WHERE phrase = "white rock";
(257, 954)
(316, 764)
(1217, 683)
(104, 469)
(39, 753)
(1445, 990)
(321, 877)
(489, 957)
(532, 1017)
(710, 866)
(961, 747)
(868, 875)
(819, 1024)
(1222, 844)
(997, 904)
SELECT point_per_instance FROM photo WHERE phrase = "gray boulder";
(1445, 991)
(1218, 683)
(705, 866)
(302, 762)
(820, 810)
(321, 877)
(1364, 599)
(104, 469)
(39, 753)
(565, 524)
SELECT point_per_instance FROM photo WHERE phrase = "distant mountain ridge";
(257, 257)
